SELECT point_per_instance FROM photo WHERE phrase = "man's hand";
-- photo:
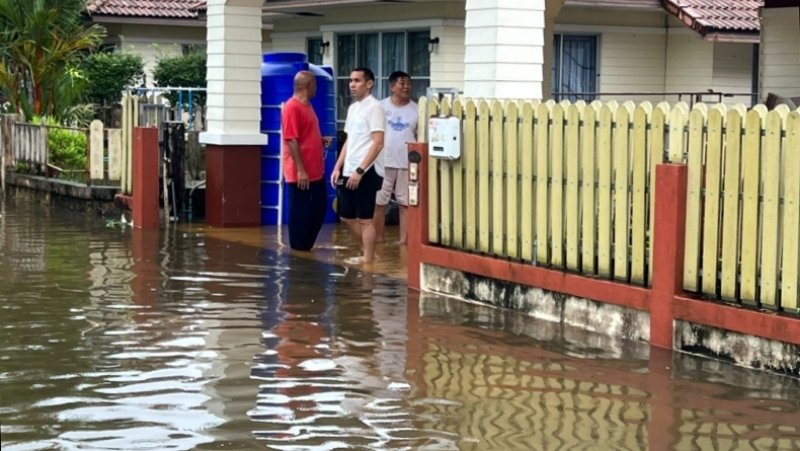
(302, 179)
(334, 178)
(354, 180)
(326, 141)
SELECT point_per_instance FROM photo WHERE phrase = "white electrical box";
(445, 138)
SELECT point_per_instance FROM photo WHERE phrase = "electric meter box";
(444, 138)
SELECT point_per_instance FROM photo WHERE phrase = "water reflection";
(198, 339)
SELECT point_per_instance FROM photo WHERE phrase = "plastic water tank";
(277, 80)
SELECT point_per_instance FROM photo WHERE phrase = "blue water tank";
(277, 86)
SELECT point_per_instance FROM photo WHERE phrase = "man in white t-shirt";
(358, 173)
(401, 128)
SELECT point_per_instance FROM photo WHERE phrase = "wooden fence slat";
(526, 181)
(604, 174)
(470, 176)
(641, 118)
(497, 180)
(458, 182)
(678, 117)
(114, 154)
(541, 171)
(694, 190)
(484, 211)
(621, 161)
(572, 214)
(445, 188)
(557, 185)
(790, 275)
(588, 197)
(96, 150)
(512, 209)
(730, 206)
(658, 128)
(751, 168)
(711, 201)
(433, 182)
(770, 229)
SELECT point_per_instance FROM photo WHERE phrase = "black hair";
(396, 75)
(368, 75)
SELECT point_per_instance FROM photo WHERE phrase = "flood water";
(191, 338)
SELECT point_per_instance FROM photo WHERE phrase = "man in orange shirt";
(303, 165)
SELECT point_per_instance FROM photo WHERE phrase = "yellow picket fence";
(570, 186)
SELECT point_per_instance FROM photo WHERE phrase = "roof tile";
(722, 15)
(181, 9)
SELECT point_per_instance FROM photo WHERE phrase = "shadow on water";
(195, 338)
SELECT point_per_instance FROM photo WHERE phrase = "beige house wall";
(447, 62)
(733, 71)
(632, 62)
(780, 54)
(689, 64)
(153, 42)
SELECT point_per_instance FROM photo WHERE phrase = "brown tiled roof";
(707, 16)
(161, 9)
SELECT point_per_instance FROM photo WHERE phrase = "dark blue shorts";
(360, 202)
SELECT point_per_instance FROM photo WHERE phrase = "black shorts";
(360, 202)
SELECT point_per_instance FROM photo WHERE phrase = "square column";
(233, 133)
(504, 48)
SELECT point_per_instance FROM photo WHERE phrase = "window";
(313, 50)
(190, 49)
(384, 53)
(574, 67)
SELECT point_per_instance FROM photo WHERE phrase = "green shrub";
(67, 148)
(187, 71)
(109, 73)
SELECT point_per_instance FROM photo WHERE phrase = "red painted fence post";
(145, 177)
(417, 214)
(668, 247)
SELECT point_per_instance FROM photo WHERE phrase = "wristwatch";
(359, 171)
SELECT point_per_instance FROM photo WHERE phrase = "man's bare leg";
(354, 226)
(403, 210)
(368, 239)
(380, 223)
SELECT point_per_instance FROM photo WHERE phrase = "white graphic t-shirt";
(401, 129)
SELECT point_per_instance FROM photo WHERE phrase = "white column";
(504, 48)
(233, 73)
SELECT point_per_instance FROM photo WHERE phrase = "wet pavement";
(192, 338)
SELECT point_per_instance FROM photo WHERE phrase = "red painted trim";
(417, 218)
(233, 186)
(736, 319)
(605, 291)
(668, 246)
(145, 177)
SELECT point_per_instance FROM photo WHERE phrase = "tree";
(107, 74)
(187, 71)
(41, 42)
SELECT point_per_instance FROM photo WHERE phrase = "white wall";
(690, 63)
(733, 71)
(154, 42)
(780, 53)
(632, 62)
(447, 62)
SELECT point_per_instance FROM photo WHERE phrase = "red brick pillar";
(145, 177)
(668, 245)
(417, 215)
(233, 185)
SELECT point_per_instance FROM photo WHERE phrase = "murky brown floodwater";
(196, 339)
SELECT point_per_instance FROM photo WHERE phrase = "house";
(779, 72)
(153, 29)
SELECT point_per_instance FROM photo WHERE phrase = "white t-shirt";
(363, 118)
(401, 129)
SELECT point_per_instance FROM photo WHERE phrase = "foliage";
(109, 73)
(41, 42)
(66, 147)
(187, 71)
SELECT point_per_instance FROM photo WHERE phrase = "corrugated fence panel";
(572, 215)
(497, 178)
(470, 176)
(588, 191)
(512, 181)
(604, 174)
(458, 183)
(484, 210)
(770, 227)
(694, 189)
(526, 182)
(542, 174)
(557, 186)
(751, 172)
(621, 150)
(790, 276)
(641, 119)
(711, 200)
(730, 204)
